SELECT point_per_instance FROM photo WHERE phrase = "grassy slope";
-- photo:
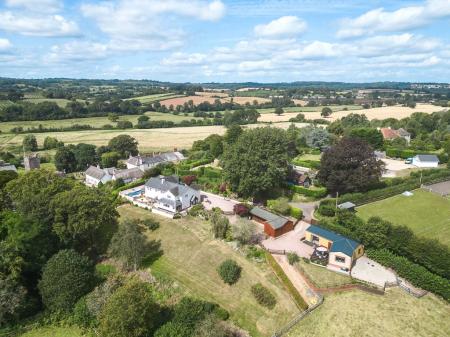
(191, 257)
(359, 314)
(322, 277)
(154, 98)
(426, 213)
(53, 331)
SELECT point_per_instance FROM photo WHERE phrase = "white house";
(7, 166)
(168, 194)
(425, 160)
(95, 175)
(147, 162)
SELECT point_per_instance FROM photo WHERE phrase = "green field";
(360, 314)
(60, 101)
(154, 98)
(96, 122)
(191, 257)
(322, 277)
(426, 213)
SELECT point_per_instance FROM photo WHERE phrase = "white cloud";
(43, 6)
(77, 51)
(140, 24)
(380, 20)
(5, 45)
(284, 26)
(37, 25)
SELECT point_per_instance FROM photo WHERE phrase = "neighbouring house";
(425, 160)
(342, 251)
(347, 205)
(390, 134)
(168, 194)
(95, 175)
(147, 162)
(7, 166)
(301, 176)
(274, 225)
(31, 162)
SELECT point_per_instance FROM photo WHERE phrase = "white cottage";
(95, 175)
(168, 194)
(147, 162)
(425, 160)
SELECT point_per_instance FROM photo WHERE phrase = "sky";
(227, 40)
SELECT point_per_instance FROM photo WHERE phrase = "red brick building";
(274, 225)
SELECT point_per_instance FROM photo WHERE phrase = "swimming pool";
(135, 193)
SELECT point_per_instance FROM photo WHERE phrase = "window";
(339, 259)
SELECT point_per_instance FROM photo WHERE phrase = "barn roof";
(340, 244)
(275, 221)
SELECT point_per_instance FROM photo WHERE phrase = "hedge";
(318, 192)
(404, 154)
(307, 163)
(414, 273)
(296, 213)
(287, 283)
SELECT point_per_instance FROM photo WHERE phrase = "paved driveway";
(291, 241)
(213, 200)
(368, 270)
(393, 166)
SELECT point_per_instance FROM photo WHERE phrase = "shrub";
(292, 258)
(151, 224)
(241, 209)
(263, 296)
(196, 210)
(244, 231)
(417, 275)
(66, 277)
(81, 314)
(229, 271)
(296, 213)
(189, 179)
(173, 329)
(220, 225)
(326, 210)
(280, 205)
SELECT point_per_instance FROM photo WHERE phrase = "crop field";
(311, 108)
(96, 122)
(191, 257)
(397, 112)
(149, 140)
(154, 98)
(181, 100)
(211, 94)
(247, 99)
(60, 101)
(360, 314)
(426, 213)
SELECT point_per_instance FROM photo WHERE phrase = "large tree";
(29, 143)
(124, 144)
(130, 311)
(370, 135)
(349, 166)
(85, 219)
(258, 161)
(65, 160)
(66, 277)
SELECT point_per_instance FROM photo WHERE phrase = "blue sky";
(227, 40)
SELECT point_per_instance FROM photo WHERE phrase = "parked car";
(408, 161)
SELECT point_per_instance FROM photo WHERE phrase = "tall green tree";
(12, 300)
(349, 166)
(130, 311)
(29, 143)
(85, 155)
(125, 145)
(372, 136)
(66, 277)
(258, 162)
(65, 160)
(232, 134)
(129, 245)
(110, 159)
(85, 219)
(326, 111)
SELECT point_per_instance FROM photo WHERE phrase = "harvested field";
(300, 101)
(182, 100)
(211, 94)
(397, 112)
(149, 140)
(249, 99)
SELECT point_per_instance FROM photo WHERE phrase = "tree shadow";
(154, 252)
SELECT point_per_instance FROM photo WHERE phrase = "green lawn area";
(309, 156)
(191, 257)
(54, 331)
(360, 314)
(322, 277)
(96, 122)
(426, 213)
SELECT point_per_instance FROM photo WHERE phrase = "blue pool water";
(135, 193)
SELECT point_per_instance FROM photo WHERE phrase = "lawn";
(191, 257)
(54, 331)
(96, 122)
(426, 213)
(322, 277)
(360, 314)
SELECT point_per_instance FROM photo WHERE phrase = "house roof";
(340, 243)
(275, 221)
(389, 133)
(169, 183)
(403, 133)
(346, 205)
(98, 173)
(156, 159)
(7, 166)
(133, 173)
(428, 158)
